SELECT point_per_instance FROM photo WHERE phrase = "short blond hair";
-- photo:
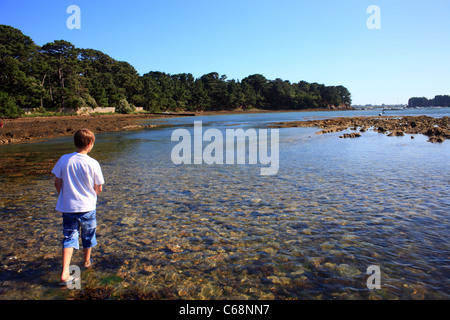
(83, 138)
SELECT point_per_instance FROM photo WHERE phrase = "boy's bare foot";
(70, 280)
(65, 277)
(88, 264)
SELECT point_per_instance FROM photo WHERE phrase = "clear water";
(335, 207)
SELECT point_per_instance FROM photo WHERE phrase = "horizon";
(383, 55)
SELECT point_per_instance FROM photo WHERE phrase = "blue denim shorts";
(73, 223)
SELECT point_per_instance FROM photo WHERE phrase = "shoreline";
(37, 129)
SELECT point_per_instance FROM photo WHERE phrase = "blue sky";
(324, 41)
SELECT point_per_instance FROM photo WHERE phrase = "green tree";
(96, 69)
(126, 80)
(331, 96)
(345, 95)
(216, 89)
(199, 98)
(183, 88)
(281, 94)
(62, 57)
(8, 107)
(18, 68)
(125, 107)
(260, 85)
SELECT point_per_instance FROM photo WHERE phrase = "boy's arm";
(98, 188)
(58, 184)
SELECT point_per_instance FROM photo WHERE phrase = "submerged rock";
(174, 248)
(350, 135)
(279, 280)
(347, 271)
(396, 134)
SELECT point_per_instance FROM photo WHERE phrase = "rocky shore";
(436, 129)
(41, 128)
(29, 129)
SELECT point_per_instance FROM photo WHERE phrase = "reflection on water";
(335, 207)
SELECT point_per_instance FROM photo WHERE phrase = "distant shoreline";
(36, 129)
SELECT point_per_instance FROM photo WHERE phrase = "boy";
(78, 180)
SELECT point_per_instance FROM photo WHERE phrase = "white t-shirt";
(79, 173)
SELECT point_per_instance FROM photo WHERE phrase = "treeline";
(438, 101)
(59, 76)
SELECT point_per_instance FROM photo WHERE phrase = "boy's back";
(79, 174)
(78, 180)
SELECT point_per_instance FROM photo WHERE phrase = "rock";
(279, 280)
(149, 269)
(298, 272)
(347, 271)
(174, 248)
(350, 135)
(145, 241)
(327, 246)
(330, 129)
(396, 134)
(437, 139)
(267, 296)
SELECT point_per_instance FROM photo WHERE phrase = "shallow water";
(335, 207)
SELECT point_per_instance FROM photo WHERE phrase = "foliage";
(124, 107)
(438, 101)
(8, 108)
(58, 76)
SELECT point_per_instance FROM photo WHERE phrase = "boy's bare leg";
(87, 257)
(67, 257)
